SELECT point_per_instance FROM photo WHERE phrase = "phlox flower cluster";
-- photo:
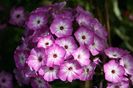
(52, 48)
(64, 43)
(119, 70)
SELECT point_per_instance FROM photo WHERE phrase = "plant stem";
(107, 19)
(88, 84)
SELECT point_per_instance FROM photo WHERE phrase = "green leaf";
(116, 9)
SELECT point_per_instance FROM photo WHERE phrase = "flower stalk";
(88, 84)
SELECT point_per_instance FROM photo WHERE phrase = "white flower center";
(38, 21)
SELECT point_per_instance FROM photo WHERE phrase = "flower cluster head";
(118, 71)
(66, 44)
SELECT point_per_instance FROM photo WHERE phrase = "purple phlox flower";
(113, 71)
(88, 72)
(45, 41)
(20, 57)
(21, 78)
(39, 82)
(36, 59)
(83, 17)
(84, 36)
(127, 62)
(55, 55)
(99, 29)
(49, 73)
(6, 80)
(61, 27)
(123, 84)
(36, 21)
(69, 70)
(114, 53)
(68, 43)
(97, 46)
(82, 55)
(17, 16)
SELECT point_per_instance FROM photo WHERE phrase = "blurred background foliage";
(115, 15)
